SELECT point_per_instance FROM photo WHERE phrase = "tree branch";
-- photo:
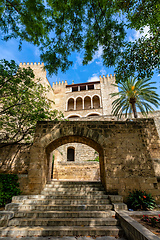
(13, 6)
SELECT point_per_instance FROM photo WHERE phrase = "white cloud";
(78, 62)
(103, 71)
(37, 52)
(138, 34)
(97, 55)
(94, 78)
(100, 63)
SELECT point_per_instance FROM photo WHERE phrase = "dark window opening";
(82, 88)
(94, 114)
(70, 154)
(74, 89)
(90, 87)
(74, 116)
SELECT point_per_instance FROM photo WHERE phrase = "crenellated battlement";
(31, 64)
(60, 84)
(105, 79)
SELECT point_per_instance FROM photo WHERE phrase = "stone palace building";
(82, 100)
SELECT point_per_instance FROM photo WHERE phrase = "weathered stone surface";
(125, 156)
(128, 153)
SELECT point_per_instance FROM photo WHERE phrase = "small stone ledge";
(134, 230)
(120, 206)
(5, 216)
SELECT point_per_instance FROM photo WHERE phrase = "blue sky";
(77, 72)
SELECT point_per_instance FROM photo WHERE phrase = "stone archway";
(126, 152)
(51, 135)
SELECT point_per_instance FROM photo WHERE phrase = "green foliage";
(134, 94)
(96, 158)
(8, 188)
(140, 200)
(62, 27)
(23, 102)
(153, 221)
(26, 20)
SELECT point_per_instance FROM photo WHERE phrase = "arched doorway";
(51, 135)
(76, 161)
(70, 140)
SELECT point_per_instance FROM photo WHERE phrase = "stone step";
(21, 198)
(71, 192)
(75, 183)
(63, 222)
(64, 201)
(64, 214)
(21, 207)
(73, 188)
(61, 231)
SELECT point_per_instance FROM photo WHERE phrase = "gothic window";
(96, 102)
(93, 114)
(70, 104)
(79, 103)
(73, 116)
(87, 103)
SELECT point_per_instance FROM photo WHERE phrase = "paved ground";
(62, 238)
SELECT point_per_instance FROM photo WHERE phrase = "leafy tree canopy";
(23, 102)
(62, 27)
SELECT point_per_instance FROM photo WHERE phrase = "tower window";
(74, 89)
(90, 87)
(82, 88)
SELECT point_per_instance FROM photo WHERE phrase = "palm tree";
(132, 95)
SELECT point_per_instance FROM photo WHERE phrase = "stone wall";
(82, 168)
(127, 151)
(15, 159)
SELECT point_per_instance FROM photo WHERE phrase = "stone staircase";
(65, 208)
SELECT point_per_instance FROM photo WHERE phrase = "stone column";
(74, 104)
(91, 102)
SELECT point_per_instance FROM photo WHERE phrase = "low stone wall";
(134, 230)
(72, 171)
(14, 159)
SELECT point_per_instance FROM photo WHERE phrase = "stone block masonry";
(126, 152)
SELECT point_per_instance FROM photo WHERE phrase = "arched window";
(96, 102)
(93, 114)
(70, 104)
(87, 103)
(74, 116)
(70, 154)
(79, 103)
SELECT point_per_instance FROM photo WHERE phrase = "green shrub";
(8, 188)
(140, 200)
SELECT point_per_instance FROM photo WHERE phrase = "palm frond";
(139, 92)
